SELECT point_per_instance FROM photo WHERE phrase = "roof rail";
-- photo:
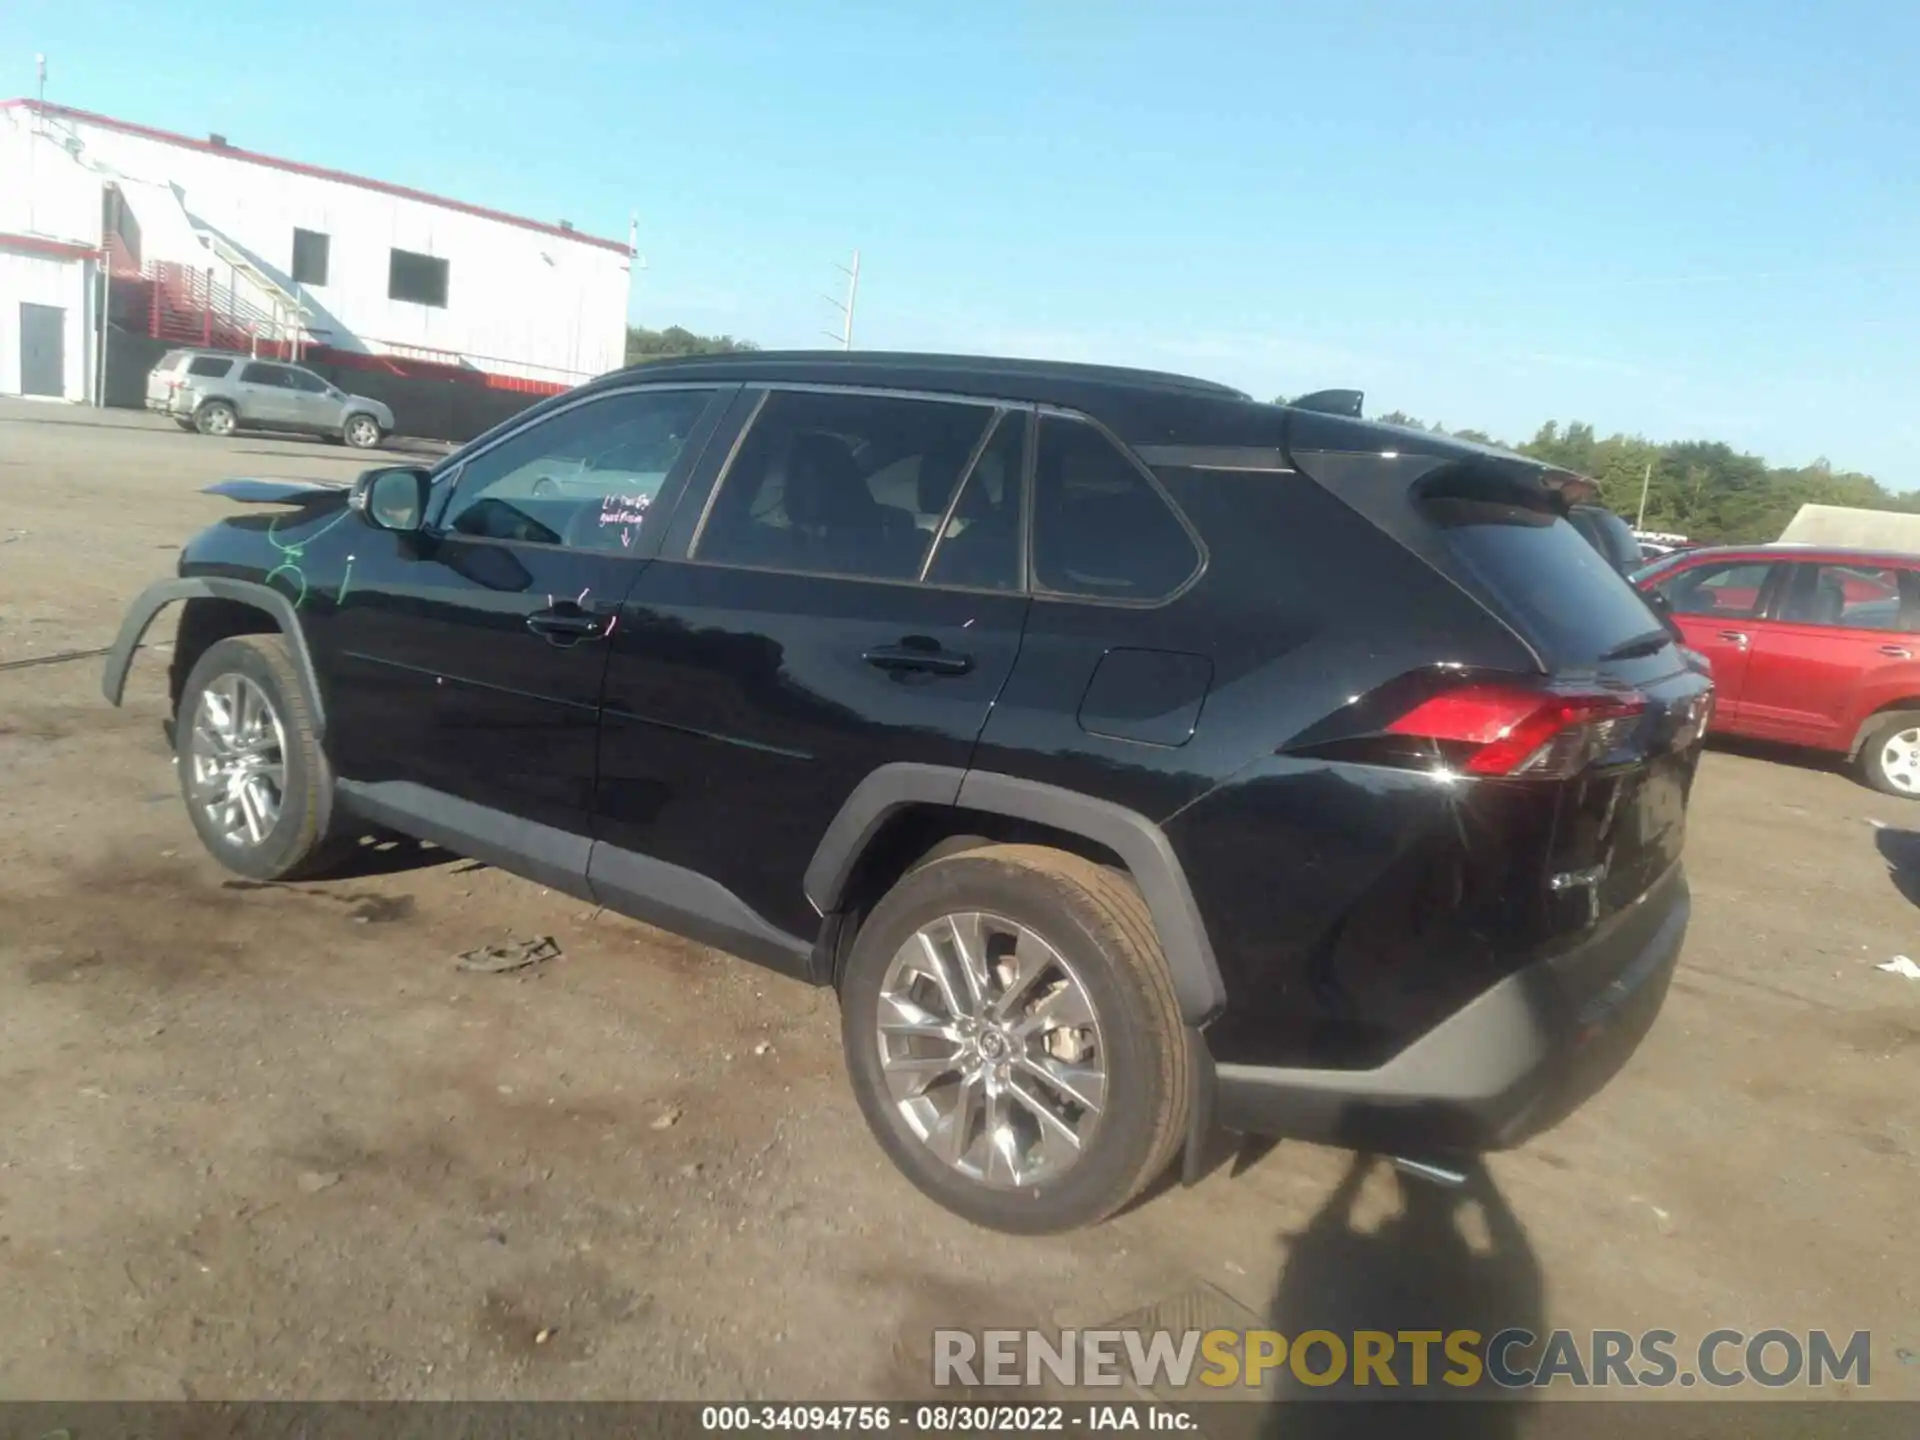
(1332, 402)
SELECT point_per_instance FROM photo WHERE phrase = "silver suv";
(217, 392)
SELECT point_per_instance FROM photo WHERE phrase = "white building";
(210, 243)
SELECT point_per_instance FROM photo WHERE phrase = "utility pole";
(40, 61)
(1646, 482)
(845, 337)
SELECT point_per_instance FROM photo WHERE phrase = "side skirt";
(633, 884)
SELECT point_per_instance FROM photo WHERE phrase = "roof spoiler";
(1332, 402)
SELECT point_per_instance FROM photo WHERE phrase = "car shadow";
(1777, 753)
(1447, 1260)
(1901, 850)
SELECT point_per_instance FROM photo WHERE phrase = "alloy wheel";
(238, 753)
(1900, 760)
(362, 432)
(991, 1049)
(219, 421)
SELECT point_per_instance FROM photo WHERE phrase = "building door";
(43, 353)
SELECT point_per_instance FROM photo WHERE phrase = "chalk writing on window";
(625, 513)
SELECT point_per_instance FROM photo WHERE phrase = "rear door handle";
(567, 624)
(1738, 637)
(1898, 652)
(931, 660)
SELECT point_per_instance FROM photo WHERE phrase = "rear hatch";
(165, 376)
(1607, 723)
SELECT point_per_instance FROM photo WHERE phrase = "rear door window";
(257, 374)
(1557, 584)
(1850, 597)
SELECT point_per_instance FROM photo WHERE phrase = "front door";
(1839, 633)
(803, 628)
(43, 350)
(311, 401)
(467, 662)
(1716, 603)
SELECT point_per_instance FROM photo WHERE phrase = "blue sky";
(1692, 220)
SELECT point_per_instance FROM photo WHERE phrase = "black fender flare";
(156, 597)
(1139, 843)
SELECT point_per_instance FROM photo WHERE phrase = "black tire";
(216, 417)
(187, 425)
(1097, 921)
(305, 840)
(361, 431)
(1872, 761)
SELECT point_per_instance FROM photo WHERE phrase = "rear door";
(1844, 640)
(1717, 603)
(801, 628)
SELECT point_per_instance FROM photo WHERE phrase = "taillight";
(1509, 730)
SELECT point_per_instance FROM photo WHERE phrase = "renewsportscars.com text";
(1165, 1360)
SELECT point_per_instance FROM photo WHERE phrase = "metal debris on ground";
(503, 959)
(1901, 965)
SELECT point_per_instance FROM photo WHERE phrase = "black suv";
(1139, 762)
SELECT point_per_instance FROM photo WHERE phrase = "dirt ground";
(267, 1141)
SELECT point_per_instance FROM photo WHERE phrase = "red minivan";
(1810, 646)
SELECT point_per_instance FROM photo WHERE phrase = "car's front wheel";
(257, 784)
(362, 432)
(1013, 1038)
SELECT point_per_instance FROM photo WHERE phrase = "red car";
(1811, 646)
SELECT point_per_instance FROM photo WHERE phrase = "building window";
(309, 257)
(419, 278)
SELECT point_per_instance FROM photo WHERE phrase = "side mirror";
(393, 499)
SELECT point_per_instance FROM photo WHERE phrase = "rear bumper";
(1510, 1064)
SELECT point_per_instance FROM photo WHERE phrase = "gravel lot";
(267, 1141)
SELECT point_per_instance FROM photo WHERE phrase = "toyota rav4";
(1137, 761)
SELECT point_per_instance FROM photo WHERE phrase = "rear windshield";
(1559, 587)
(170, 361)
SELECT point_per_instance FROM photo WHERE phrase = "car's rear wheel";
(1890, 756)
(184, 423)
(257, 784)
(217, 418)
(1013, 1038)
(362, 432)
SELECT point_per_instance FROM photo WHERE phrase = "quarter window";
(836, 484)
(1730, 590)
(1101, 529)
(419, 278)
(209, 365)
(586, 477)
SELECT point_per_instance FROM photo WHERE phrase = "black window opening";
(1101, 529)
(258, 374)
(209, 365)
(310, 257)
(859, 486)
(421, 279)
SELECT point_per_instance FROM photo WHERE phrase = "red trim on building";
(318, 172)
(52, 249)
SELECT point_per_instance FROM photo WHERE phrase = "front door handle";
(1738, 637)
(567, 624)
(1898, 652)
(926, 657)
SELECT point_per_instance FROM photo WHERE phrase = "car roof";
(870, 367)
(1800, 550)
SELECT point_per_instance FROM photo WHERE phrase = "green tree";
(645, 344)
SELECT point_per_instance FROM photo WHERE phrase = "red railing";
(189, 305)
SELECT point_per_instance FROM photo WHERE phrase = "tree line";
(1703, 489)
